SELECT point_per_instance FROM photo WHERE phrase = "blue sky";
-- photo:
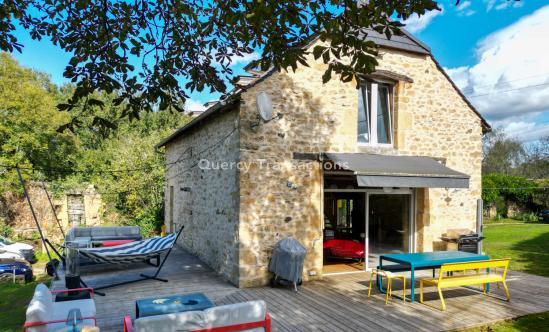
(495, 50)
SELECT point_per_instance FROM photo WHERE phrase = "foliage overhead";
(143, 49)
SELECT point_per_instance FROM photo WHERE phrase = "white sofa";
(43, 308)
(227, 316)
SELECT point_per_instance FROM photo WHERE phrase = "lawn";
(14, 299)
(526, 244)
(503, 221)
(536, 322)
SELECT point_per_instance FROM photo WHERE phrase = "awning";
(374, 170)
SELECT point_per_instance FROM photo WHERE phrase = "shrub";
(149, 220)
(5, 230)
(526, 216)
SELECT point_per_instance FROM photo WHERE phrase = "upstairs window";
(375, 113)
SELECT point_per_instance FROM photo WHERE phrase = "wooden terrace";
(336, 303)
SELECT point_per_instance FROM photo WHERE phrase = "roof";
(216, 108)
(405, 42)
(373, 170)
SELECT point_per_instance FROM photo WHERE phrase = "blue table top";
(436, 258)
(169, 304)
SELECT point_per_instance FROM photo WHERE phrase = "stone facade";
(277, 195)
(206, 196)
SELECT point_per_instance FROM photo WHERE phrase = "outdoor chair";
(389, 276)
(45, 314)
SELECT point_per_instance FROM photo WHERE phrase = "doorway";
(376, 221)
(344, 231)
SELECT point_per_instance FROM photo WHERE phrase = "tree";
(501, 190)
(120, 159)
(143, 50)
(502, 154)
(536, 165)
(28, 122)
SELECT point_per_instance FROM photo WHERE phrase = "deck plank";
(335, 303)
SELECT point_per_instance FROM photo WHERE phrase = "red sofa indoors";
(345, 248)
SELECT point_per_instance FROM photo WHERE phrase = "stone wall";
(23, 222)
(433, 120)
(206, 195)
(282, 196)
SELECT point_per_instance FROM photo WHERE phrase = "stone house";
(391, 162)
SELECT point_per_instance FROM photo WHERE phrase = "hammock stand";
(142, 276)
(45, 241)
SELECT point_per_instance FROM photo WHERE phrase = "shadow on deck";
(336, 303)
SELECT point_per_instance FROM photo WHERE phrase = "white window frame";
(372, 108)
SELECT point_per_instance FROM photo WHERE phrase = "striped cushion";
(136, 251)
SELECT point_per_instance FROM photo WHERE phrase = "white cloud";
(416, 23)
(523, 129)
(464, 9)
(489, 4)
(194, 106)
(502, 4)
(240, 59)
(511, 78)
(463, 5)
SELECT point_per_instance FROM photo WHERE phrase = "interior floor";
(334, 265)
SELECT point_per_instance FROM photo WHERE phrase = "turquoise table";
(425, 260)
(169, 304)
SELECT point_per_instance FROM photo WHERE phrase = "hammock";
(132, 252)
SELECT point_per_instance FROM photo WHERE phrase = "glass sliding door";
(389, 225)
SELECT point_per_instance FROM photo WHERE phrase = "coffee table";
(169, 304)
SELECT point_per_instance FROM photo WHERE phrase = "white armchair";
(45, 315)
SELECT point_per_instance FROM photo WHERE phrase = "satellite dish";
(264, 106)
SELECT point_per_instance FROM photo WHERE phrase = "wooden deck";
(336, 303)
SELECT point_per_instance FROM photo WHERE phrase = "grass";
(14, 299)
(526, 244)
(503, 221)
(535, 322)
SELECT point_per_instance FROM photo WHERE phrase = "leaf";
(317, 51)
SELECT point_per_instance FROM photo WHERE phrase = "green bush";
(149, 220)
(526, 216)
(5, 230)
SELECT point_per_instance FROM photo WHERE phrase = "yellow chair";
(389, 276)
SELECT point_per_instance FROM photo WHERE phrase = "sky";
(496, 51)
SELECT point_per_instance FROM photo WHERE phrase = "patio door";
(389, 224)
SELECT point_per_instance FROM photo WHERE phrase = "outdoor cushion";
(345, 248)
(226, 315)
(238, 313)
(42, 308)
(112, 243)
(181, 321)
